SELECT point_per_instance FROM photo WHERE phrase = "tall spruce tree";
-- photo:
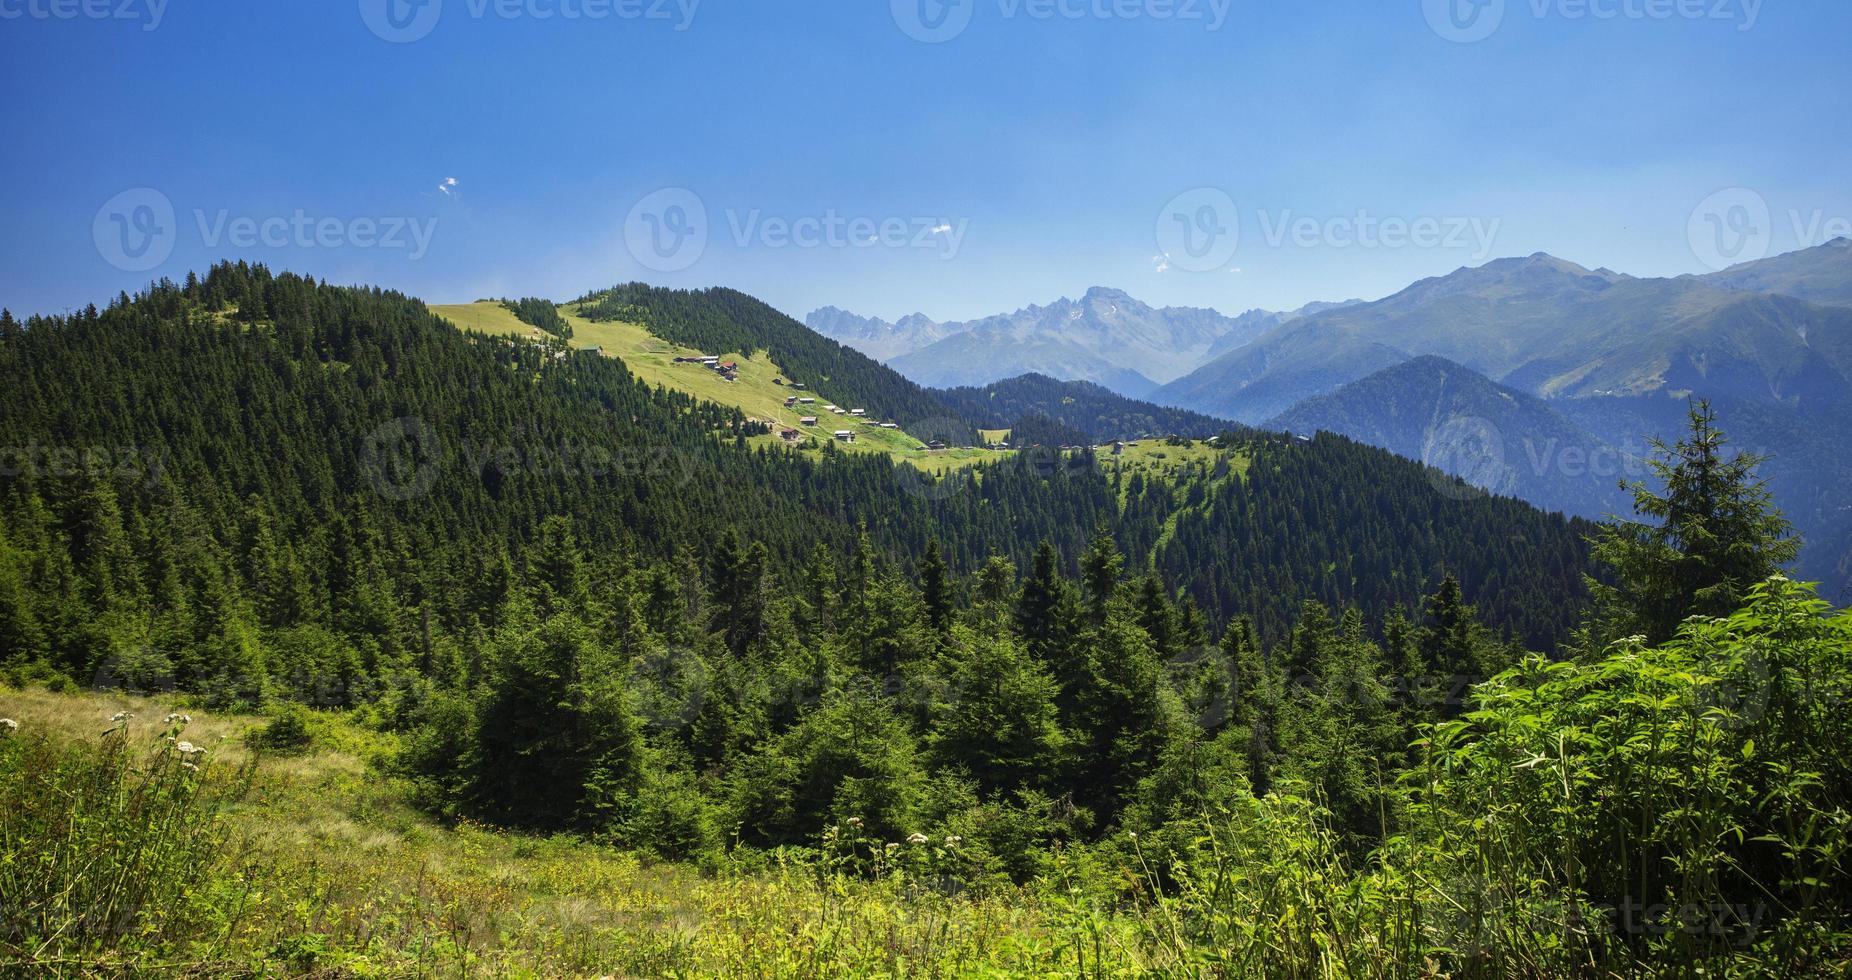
(1709, 535)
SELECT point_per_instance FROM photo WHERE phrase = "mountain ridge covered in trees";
(1094, 412)
(258, 491)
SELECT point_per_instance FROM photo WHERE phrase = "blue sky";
(1067, 143)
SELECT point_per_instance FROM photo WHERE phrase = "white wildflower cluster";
(8, 726)
(191, 756)
(122, 716)
(954, 841)
(918, 839)
(179, 719)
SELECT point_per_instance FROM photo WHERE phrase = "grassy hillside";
(328, 869)
(757, 393)
(724, 320)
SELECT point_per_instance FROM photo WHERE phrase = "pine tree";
(996, 582)
(738, 590)
(1449, 645)
(1710, 536)
(1037, 602)
(558, 570)
(1100, 568)
(1001, 723)
(936, 589)
(1156, 615)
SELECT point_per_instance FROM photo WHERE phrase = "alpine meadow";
(545, 490)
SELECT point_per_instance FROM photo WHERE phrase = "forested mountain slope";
(1496, 438)
(250, 477)
(725, 320)
(1090, 410)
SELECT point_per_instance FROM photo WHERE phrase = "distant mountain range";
(1539, 378)
(1557, 330)
(1532, 377)
(1105, 337)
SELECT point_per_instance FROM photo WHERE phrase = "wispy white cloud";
(942, 229)
(1161, 262)
(449, 186)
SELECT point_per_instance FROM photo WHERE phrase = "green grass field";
(328, 870)
(756, 393)
(1176, 466)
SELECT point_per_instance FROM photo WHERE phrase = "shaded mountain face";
(1540, 352)
(1556, 330)
(1105, 337)
(1818, 275)
(1497, 439)
(1083, 411)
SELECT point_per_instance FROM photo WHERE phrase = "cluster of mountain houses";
(728, 370)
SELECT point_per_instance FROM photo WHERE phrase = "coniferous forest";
(1302, 709)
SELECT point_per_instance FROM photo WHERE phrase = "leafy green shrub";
(291, 731)
(1680, 804)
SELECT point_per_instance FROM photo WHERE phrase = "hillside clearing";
(758, 393)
